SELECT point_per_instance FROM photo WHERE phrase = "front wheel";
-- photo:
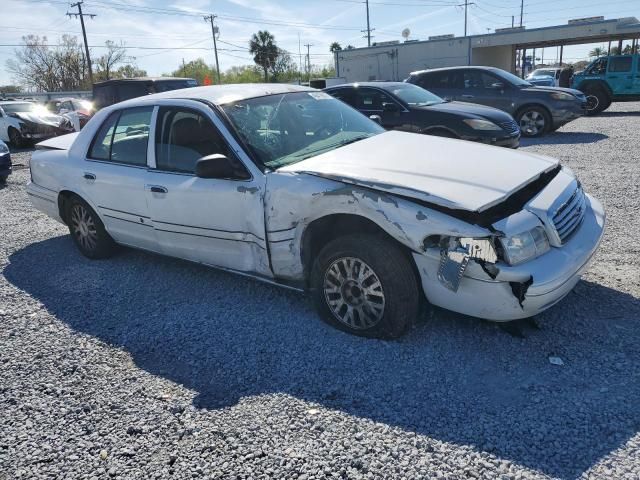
(365, 285)
(16, 139)
(87, 230)
(534, 121)
(597, 101)
(3, 179)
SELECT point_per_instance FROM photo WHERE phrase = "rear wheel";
(15, 138)
(87, 230)
(533, 121)
(3, 179)
(598, 100)
(365, 285)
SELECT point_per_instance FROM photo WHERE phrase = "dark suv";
(537, 110)
(117, 90)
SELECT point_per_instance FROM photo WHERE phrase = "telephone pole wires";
(84, 33)
(214, 30)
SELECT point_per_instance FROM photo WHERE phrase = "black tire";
(598, 100)
(3, 179)
(394, 299)
(533, 121)
(15, 138)
(87, 230)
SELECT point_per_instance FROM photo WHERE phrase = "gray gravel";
(148, 367)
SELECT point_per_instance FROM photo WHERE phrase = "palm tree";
(335, 47)
(596, 52)
(264, 50)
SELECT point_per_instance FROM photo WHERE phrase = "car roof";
(381, 84)
(115, 81)
(222, 94)
(10, 102)
(444, 69)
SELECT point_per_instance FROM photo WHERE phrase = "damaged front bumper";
(504, 292)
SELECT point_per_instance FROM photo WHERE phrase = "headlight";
(562, 96)
(525, 246)
(4, 148)
(478, 124)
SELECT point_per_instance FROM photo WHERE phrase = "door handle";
(158, 189)
(89, 176)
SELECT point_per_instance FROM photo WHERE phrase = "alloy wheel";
(354, 293)
(532, 123)
(84, 228)
(592, 102)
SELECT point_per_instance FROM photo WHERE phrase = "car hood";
(539, 89)
(45, 119)
(450, 173)
(469, 110)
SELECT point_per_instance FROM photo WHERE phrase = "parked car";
(78, 110)
(545, 77)
(614, 78)
(538, 110)
(113, 91)
(22, 122)
(5, 162)
(291, 186)
(407, 107)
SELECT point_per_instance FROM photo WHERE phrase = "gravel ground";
(144, 367)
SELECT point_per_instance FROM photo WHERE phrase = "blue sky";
(177, 26)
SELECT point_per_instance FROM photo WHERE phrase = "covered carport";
(500, 48)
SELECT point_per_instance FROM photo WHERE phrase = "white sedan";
(294, 187)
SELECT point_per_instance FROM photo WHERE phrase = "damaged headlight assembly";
(455, 253)
(525, 246)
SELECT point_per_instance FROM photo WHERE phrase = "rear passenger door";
(218, 222)
(620, 74)
(484, 88)
(114, 175)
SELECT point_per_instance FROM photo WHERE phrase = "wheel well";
(323, 230)
(595, 84)
(63, 199)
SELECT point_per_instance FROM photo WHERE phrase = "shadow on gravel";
(564, 138)
(453, 378)
(619, 114)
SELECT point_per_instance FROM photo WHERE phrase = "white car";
(21, 122)
(289, 185)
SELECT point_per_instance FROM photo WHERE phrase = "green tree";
(106, 63)
(335, 47)
(283, 68)
(197, 69)
(264, 50)
(129, 71)
(597, 52)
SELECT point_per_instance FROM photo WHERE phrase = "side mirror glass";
(222, 167)
(376, 118)
(390, 107)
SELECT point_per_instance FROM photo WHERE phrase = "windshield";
(543, 73)
(414, 95)
(18, 107)
(288, 128)
(511, 78)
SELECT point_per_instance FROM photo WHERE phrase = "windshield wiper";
(334, 145)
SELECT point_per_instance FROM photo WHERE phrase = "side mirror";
(222, 167)
(390, 107)
(376, 118)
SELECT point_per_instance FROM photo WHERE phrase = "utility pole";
(368, 26)
(513, 19)
(308, 45)
(466, 6)
(84, 33)
(211, 18)
(521, 11)
(299, 60)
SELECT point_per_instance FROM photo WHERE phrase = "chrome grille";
(511, 127)
(570, 214)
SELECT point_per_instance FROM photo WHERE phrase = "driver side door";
(371, 101)
(218, 222)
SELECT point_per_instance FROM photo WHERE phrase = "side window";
(371, 99)
(183, 136)
(123, 137)
(435, 80)
(346, 95)
(620, 64)
(475, 79)
(598, 67)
